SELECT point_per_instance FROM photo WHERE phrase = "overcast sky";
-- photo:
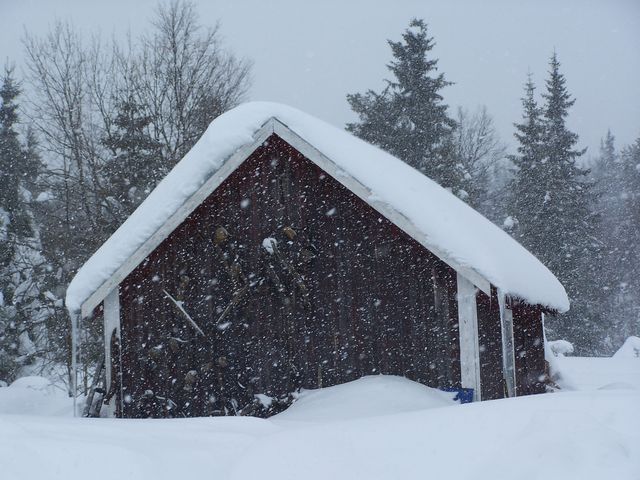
(311, 54)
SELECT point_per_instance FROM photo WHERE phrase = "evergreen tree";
(409, 118)
(606, 173)
(605, 163)
(527, 188)
(571, 246)
(10, 156)
(627, 265)
(136, 166)
(19, 246)
(607, 176)
(554, 211)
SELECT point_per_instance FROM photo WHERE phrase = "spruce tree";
(10, 154)
(606, 173)
(527, 188)
(554, 211)
(605, 162)
(409, 118)
(572, 249)
(22, 267)
(136, 165)
(627, 265)
(607, 176)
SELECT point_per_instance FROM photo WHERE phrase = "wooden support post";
(508, 352)
(468, 331)
(111, 324)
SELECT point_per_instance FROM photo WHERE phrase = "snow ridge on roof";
(446, 222)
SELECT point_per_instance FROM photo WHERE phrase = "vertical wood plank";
(469, 339)
(111, 364)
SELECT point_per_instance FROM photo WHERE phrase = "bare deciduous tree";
(97, 109)
(185, 78)
(61, 110)
(478, 151)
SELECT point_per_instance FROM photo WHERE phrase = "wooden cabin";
(284, 254)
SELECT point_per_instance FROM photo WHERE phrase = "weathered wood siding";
(528, 339)
(490, 342)
(349, 295)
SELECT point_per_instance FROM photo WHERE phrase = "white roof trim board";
(448, 227)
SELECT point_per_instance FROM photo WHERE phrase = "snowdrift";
(34, 395)
(629, 349)
(378, 428)
(368, 397)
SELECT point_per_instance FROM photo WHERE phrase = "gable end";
(273, 126)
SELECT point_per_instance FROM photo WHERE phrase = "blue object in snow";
(463, 395)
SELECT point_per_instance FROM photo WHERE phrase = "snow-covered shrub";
(560, 348)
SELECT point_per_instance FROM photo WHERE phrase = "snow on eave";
(436, 218)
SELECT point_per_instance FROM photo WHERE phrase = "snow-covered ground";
(374, 428)
(34, 396)
(583, 373)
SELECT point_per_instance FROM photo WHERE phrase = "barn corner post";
(468, 337)
(508, 347)
(112, 351)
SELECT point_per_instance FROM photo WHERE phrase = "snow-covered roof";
(431, 214)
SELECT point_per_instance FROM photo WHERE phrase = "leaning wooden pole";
(74, 360)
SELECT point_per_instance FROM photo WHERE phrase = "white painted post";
(508, 350)
(111, 323)
(468, 333)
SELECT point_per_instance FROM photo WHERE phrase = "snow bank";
(629, 349)
(446, 222)
(571, 435)
(593, 373)
(622, 371)
(585, 435)
(35, 396)
(369, 396)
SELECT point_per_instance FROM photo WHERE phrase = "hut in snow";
(283, 253)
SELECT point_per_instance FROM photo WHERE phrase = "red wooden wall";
(490, 344)
(528, 339)
(348, 295)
